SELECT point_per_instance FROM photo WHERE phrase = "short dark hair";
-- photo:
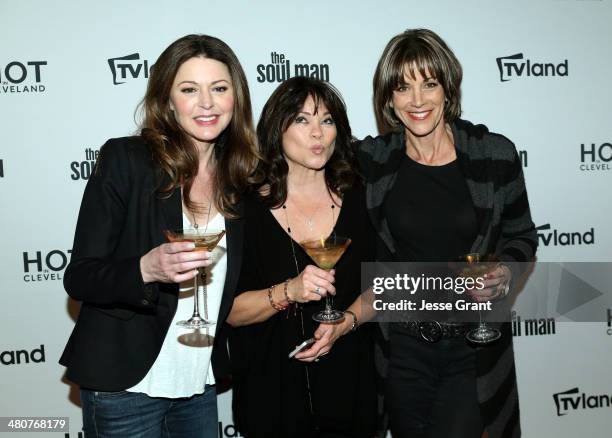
(278, 113)
(425, 50)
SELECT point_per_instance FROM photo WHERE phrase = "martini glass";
(477, 265)
(204, 240)
(326, 253)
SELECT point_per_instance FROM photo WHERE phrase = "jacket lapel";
(385, 165)
(477, 173)
(172, 211)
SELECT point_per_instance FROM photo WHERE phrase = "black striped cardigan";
(492, 169)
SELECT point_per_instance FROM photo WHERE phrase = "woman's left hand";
(496, 284)
(325, 335)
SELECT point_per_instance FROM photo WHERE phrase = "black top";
(270, 393)
(430, 212)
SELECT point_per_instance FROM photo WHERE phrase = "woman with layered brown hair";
(439, 187)
(187, 168)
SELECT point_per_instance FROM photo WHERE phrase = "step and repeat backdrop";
(72, 73)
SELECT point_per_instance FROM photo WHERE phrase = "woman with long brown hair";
(187, 168)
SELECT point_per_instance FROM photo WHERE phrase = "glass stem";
(196, 298)
(328, 304)
(204, 292)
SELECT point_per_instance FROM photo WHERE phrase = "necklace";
(297, 269)
(309, 219)
(299, 308)
(202, 271)
(195, 222)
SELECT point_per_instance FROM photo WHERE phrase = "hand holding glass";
(204, 240)
(326, 253)
(478, 265)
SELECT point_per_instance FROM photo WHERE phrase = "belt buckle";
(430, 331)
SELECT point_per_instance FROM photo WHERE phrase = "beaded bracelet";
(285, 292)
(276, 306)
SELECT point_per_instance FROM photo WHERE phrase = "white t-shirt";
(182, 370)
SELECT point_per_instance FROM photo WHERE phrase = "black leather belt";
(433, 331)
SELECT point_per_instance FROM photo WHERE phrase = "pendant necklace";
(299, 308)
(202, 271)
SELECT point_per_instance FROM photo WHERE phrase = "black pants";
(431, 388)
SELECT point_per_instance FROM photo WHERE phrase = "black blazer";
(123, 322)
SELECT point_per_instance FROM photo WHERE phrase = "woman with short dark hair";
(308, 190)
(439, 187)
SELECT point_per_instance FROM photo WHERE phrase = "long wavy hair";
(235, 151)
(278, 113)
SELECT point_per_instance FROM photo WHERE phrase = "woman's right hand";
(173, 262)
(312, 284)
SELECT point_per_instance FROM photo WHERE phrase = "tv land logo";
(22, 77)
(128, 67)
(533, 327)
(82, 170)
(516, 66)
(20, 357)
(554, 237)
(39, 266)
(594, 157)
(280, 69)
(573, 400)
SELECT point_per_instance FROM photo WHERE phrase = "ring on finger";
(317, 290)
(505, 288)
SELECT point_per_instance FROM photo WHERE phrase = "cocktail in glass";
(204, 240)
(326, 253)
(477, 265)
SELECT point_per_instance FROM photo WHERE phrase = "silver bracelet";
(354, 326)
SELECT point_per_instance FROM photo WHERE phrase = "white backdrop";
(60, 100)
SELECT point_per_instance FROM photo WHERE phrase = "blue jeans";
(136, 415)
